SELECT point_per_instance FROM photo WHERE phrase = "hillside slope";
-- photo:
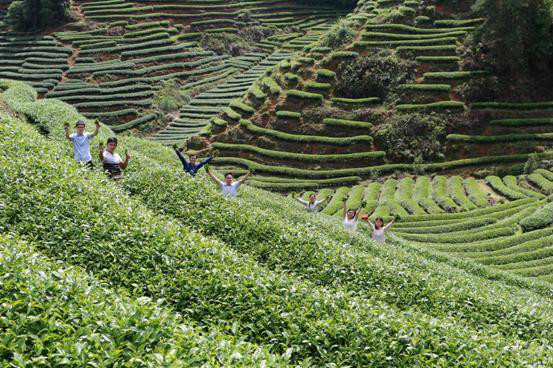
(386, 90)
(333, 299)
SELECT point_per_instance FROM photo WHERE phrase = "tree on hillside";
(32, 15)
(516, 37)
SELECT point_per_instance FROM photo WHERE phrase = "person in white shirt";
(229, 187)
(379, 230)
(312, 205)
(350, 217)
(111, 161)
(81, 142)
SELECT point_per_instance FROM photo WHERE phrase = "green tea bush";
(413, 137)
(375, 75)
(340, 34)
(515, 37)
(32, 15)
(66, 317)
(153, 256)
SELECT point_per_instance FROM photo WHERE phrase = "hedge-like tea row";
(347, 123)
(356, 101)
(407, 36)
(513, 106)
(305, 138)
(425, 87)
(413, 30)
(454, 292)
(73, 318)
(283, 114)
(522, 122)
(304, 95)
(441, 105)
(346, 157)
(504, 138)
(181, 268)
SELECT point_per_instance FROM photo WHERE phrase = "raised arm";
(386, 227)
(245, 177)
(213, 177)
(125, 163)
(370, 223)
(345, 210)
(180, 156)
(66, 129)
(204, 162)
(101, 152)
(96, 129)
(302, 201)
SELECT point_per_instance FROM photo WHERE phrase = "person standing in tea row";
(81, 142)
(229, 187)
(379, 229)
(312, 205)
(191, 167)
(111, 161)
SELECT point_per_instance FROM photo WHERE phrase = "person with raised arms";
(312, 205)
(229, 187)
(111, 161)
(350, 216)
(81, 142)
(192, 167)
(379, 229)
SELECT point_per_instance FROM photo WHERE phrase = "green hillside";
(335, 298)
(433, 114)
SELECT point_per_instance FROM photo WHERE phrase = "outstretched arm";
(213, 177)
(370, 223)
(245, 177)
(66, 129)
(204, 162)
(101, 152)
(302, 201)
(386, 227)
(180, 156)
(345, 210)
(96, 130)
(125, 163)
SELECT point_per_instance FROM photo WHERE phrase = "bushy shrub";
(373, 76)
(516, 36)
(224, 43)
(413, 137)
(340, 34)
(168, 98)
(30, 15)
(480, 89)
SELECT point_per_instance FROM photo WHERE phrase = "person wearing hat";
(81, 142)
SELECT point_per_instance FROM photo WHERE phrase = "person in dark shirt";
(191, 167)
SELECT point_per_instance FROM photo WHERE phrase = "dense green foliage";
(32, 15)
(515, 36)
(372, 76)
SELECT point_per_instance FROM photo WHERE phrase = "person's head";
(378, 223)
(79, 126)
(312, 198)
(193, 159)
(111, 144)
(229, 178)
(350, 214)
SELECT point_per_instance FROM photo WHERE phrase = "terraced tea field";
(113, 71)
(228, 296)
(269, 130)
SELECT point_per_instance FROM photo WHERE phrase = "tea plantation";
(379, 105)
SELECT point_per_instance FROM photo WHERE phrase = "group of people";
(350, 217)
(111, 161)
(113, 165)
